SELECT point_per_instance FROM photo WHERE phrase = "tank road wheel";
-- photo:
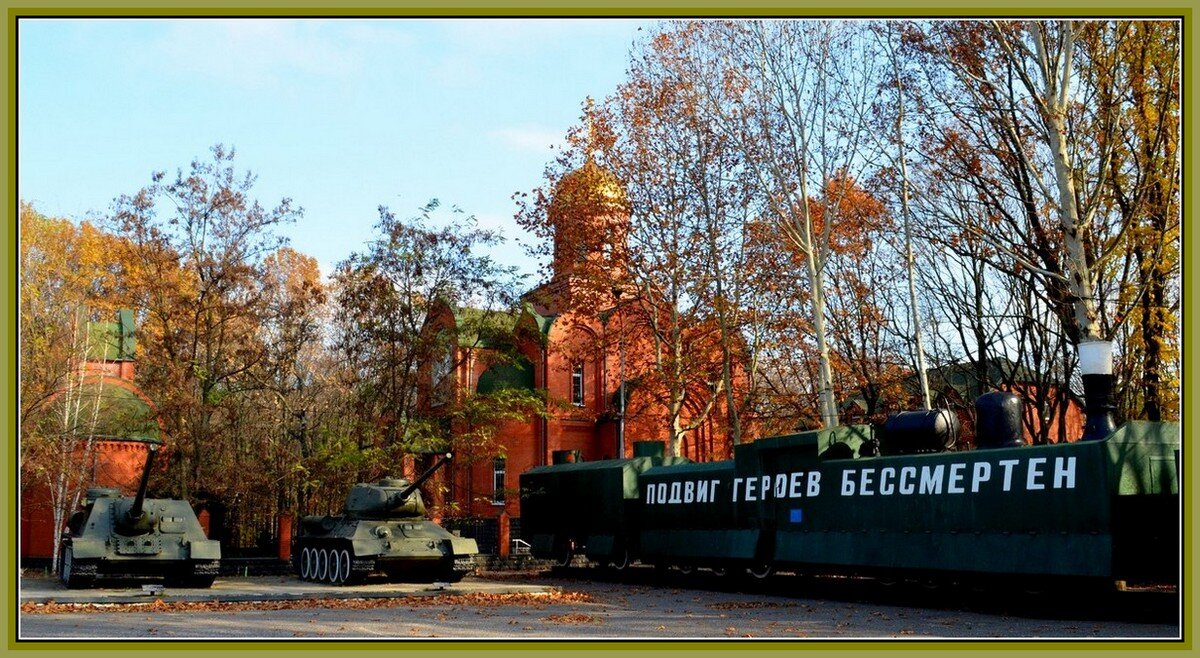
(348, 563)
(335, 568)
(354, 577)
(306, 563)
(339, 560)
(322, 564)
(69, 571)
(760, 571)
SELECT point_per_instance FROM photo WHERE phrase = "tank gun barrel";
(135, 510)
(403, 495)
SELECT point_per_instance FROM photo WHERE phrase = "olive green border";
(549, 8)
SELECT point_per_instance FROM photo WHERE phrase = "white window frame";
(578, 391)
(499, 464)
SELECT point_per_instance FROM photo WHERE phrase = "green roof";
(110, 411)
(483, 328)
(543, 321)
(112, 341)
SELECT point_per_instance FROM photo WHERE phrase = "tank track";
(76, 574)
(201, 575)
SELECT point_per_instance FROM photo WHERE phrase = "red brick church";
(576, 342)
(114, 421)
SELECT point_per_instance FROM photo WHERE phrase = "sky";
(339, 115)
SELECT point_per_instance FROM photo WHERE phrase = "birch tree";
(793, 96)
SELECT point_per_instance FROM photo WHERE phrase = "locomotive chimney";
(1096, 363)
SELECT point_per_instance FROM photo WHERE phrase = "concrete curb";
(269, 588)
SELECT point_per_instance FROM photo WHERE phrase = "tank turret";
(121, 537)
(390, 497)
(382, 528)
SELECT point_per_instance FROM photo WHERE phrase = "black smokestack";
(1096, 363)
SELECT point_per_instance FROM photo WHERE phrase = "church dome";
(588, 191)
(590, 215)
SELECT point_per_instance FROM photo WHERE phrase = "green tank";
(381, 529)
(121, 537)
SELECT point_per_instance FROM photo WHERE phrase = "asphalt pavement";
(588, 604)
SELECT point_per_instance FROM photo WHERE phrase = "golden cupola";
(589, 210)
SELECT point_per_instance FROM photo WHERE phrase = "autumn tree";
(1031, 123)
(793, 97)
(385, 301)
(67, 273)
(195, 256)
(290, 387)
(864, 274)
(1144, 196)
(893, 131)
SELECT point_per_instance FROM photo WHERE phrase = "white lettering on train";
(1031, 474)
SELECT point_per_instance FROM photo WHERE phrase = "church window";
(577, 385)
(498, 481)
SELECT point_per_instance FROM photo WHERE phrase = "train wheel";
(719, 572)
(760, 571)
(564, 559)
(685, 569)
(621, 560)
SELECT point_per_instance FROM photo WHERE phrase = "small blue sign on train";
(796, 516)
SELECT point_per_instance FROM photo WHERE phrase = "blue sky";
(340, 115)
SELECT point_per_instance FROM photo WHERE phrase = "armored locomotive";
(382, 528)
(145, 538)
(887, 501)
